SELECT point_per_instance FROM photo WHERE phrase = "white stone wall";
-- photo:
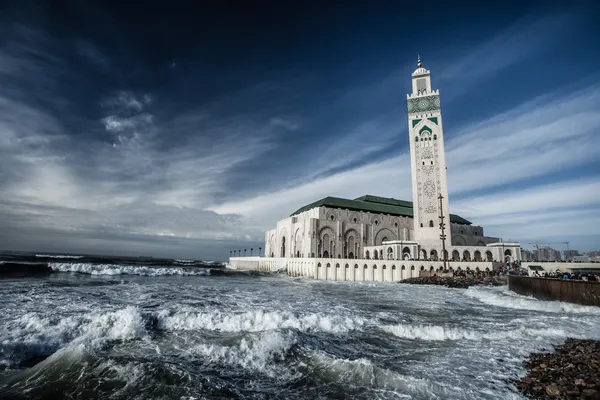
(335, 232)
(350, 269)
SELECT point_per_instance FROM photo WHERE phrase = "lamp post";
(443, 234)
(251, 251)
(259, 250)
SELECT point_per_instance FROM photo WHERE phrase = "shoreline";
(570, 371)
(460, 282)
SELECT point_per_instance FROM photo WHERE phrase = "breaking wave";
(502, 297)
(34, 337)
(258, 352)
(441, 333)
(258, 320)
(117, 269)
(58, 256)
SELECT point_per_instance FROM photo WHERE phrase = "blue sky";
(186, 131)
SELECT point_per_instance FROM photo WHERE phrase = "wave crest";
(117, 269)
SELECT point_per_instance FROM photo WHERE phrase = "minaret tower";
(427, 159)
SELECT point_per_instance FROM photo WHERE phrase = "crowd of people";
(590, 277)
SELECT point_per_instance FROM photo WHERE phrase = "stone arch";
(297, 241)
(445, 255)
(423, 254)
(282, 246)
(390, 253)
(406, 253)
(433, 255)
(431, 269)
(412, 267)
(455, 255)
(367, 255)
(351, 241)
(466, 255)
(375, 255)
(477, 255)
(508, 257)
(458, 241)
(489, 256)
(384, 233)
(403, 267)
(326, 244)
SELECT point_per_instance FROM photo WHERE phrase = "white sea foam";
(32, 336)
(112, 269)
(441, 333)
(255, 353)
(501, 297)
(257, 320)
(57, 256)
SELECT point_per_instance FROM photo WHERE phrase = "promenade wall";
(340, 269)
(572, 291)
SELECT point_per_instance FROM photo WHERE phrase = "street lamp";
(259, 250)
(443, 234)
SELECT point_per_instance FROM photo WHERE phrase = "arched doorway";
(390, 253)
(423, 254)
(283, 246)
(466, 255)
(367, 255)
(477, 255)
(507, 255)
(489, 256)
(433, 255)
(325, 254)
(375, 255)
(351, 255)
(455, 255)
(406, 253)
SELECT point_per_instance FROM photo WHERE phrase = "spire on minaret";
(419, 65)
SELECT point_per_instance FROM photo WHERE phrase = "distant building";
(548, 254)
(569, 254)
(595, 253)
(581, 259)
(527, 255)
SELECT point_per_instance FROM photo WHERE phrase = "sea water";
(121, 331)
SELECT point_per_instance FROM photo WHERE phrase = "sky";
(187, 129)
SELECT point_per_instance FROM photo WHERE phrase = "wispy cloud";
(548, 134)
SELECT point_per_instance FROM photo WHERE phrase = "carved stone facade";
(377, 228)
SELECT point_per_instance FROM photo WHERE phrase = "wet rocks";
(572, 371)
(453, 281)
(16, 269)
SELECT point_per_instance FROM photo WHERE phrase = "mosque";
(384, 230)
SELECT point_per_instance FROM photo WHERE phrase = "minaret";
(427, 159)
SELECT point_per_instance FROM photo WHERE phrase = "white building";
(378, 228)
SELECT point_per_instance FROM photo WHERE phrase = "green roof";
(374, 204)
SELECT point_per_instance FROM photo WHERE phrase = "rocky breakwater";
(454, 281)
(16, 269)
(572, 371)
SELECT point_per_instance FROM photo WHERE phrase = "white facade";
(373, 228)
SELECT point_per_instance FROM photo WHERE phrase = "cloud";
(548, 134)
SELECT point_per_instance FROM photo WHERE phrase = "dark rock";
(16, 269)
(461, 282)
(570, 372)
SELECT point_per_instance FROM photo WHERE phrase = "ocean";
(119, 328)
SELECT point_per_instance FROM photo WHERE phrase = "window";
(355, 220)
(396, 224)
(421, 224)
(430, 223)
(331, 217)
(376, 222)
(416, 138)
(434, 137)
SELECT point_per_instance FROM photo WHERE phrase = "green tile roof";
(374, 204)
